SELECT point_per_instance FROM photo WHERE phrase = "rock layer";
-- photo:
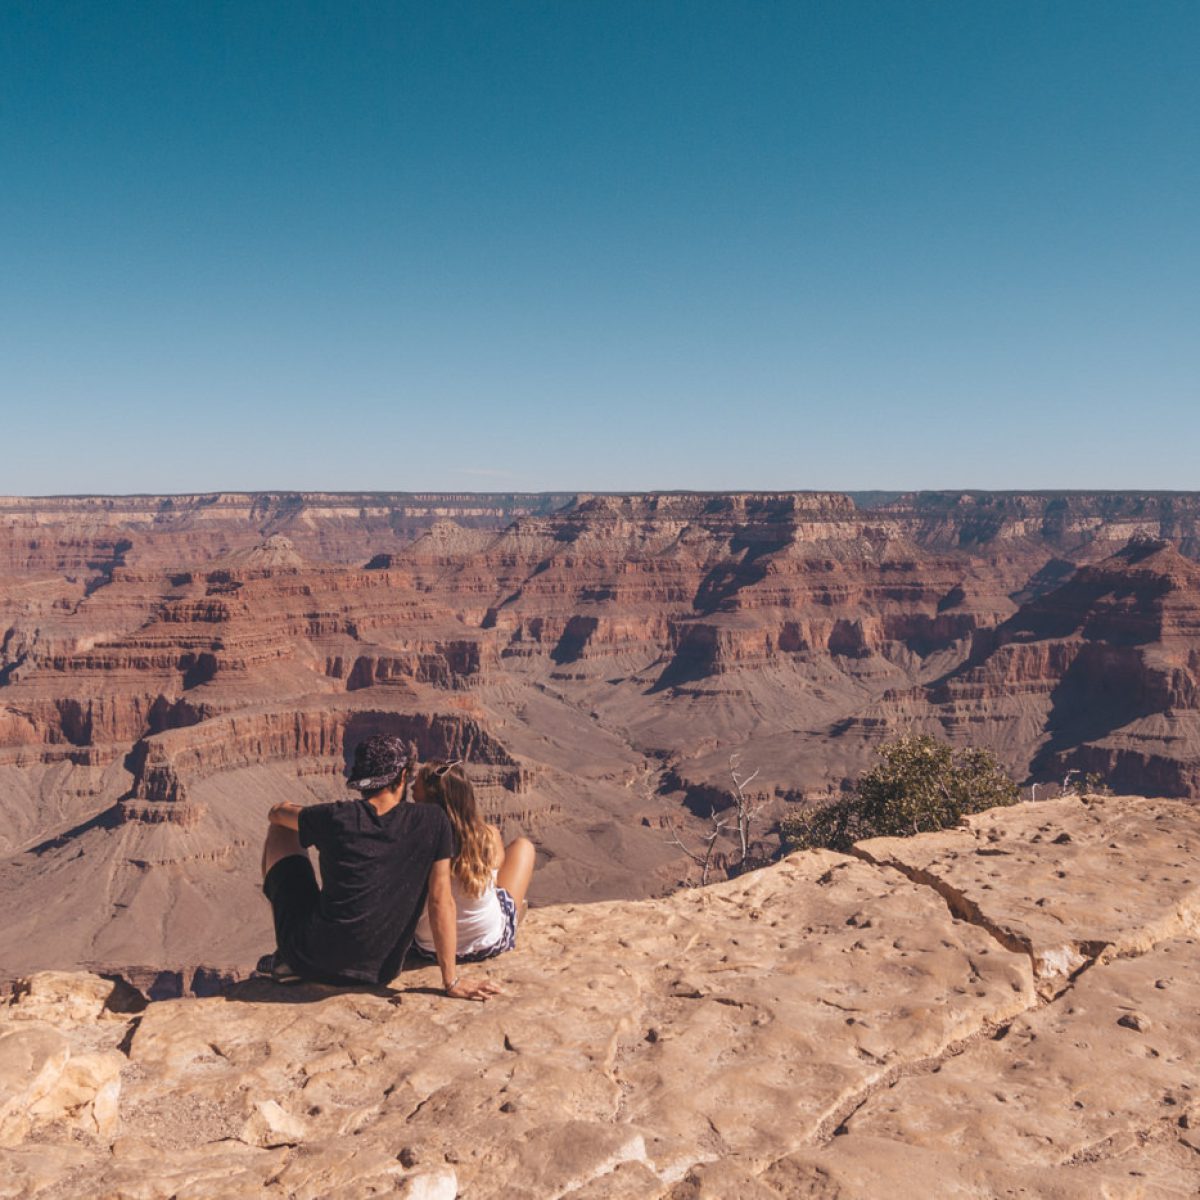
(834, 1026)
(169, 667)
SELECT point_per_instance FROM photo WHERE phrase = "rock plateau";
(1003, 1009)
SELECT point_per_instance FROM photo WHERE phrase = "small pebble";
(1135, 1020)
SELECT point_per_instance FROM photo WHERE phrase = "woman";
(488, 879)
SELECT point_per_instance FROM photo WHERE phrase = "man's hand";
(474, 991)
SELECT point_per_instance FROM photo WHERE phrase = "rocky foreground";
(1006, 1009)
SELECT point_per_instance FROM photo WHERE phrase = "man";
(380, 858)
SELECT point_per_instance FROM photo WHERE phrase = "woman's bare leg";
(280, 842)
(516, 870)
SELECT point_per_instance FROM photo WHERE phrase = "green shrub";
(919, 785)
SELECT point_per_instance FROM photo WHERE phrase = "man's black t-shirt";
(374, 877)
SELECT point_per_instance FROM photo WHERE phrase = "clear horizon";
(850, 492)
(254, 247)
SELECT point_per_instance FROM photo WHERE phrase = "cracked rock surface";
(998, 1010)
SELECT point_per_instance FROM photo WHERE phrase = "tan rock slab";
(60, 996)
(1065, 880)
(226, 1170)
(858, 1167)
(87, 1093)
(46, 1169)
(42, 1082)
(560, 1159)
(789, 1001)
(338, 1167)
(270, 1125)
(429, 1185)
(827, 1027)
(1070, 1082)
(721, 1179)
(32, 1060)
(741, 1018)
(626, 1181)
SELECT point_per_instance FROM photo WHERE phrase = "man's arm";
(286, 814)
(442, 919)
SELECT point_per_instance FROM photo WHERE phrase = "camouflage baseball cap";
(378, 762)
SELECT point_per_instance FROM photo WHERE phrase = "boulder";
(43, 1083)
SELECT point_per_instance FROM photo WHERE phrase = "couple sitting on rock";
(431, 873)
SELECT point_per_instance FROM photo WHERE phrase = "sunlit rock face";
(172, 666)
(1004, 1008)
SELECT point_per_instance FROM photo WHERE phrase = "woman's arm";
(443, 914)
(443, 917)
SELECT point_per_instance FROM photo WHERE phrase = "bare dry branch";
(702, 860)
(745, 810)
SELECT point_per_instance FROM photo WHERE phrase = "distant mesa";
(1142, 545)
(274, 553)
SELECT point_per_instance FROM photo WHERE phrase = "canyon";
(170, 666)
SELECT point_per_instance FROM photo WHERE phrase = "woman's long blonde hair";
(447, 785)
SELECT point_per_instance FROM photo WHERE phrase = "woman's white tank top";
(480, 921)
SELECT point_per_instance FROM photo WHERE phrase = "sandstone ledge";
(1003, 1009)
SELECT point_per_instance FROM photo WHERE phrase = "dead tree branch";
(702, 858)
(746, 808)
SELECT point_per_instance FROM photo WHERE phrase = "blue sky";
(576, 245)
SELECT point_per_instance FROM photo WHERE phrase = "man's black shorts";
(291, 887)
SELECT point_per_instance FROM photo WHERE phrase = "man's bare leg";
(281, 842)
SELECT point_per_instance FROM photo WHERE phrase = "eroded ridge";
(1007, 1008)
